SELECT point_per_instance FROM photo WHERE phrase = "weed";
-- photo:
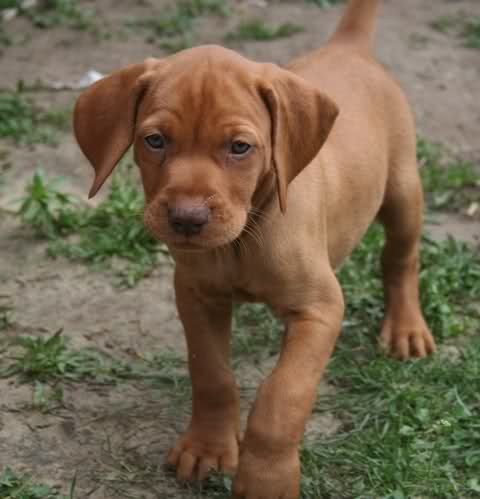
(20, 486)
(47, 399)
(43, 360)
(462, 25)
(471, 33)
(6, 312)
(8, 4)
(256, 332)
(257, 29)
(61, 13)
(46, 209)
(22, 121)
(324, 3)
(5, 38)
(111, 233)
(447, 181)
(179, 23)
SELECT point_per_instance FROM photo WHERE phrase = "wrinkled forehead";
(205, 92)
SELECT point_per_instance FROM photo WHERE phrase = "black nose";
(188, 221)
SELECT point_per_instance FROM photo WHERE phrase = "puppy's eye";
(239, 148)
(156, 141)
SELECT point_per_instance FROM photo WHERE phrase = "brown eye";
(239, 148)
(156, 141)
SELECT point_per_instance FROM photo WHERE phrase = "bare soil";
(116, 438)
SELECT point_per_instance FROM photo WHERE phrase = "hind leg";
(405, 333)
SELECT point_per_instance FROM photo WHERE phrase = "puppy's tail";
(357, 25)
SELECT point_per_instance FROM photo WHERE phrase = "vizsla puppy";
(261, 180)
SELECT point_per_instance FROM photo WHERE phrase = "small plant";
(471, 33)
(324, 3)
(6, 313)
(8, 4)
(23, 122)
(21, 486)
(47, 360)
(47, 399)
(256, 332)
(462, 25)
(49, 211)
(448, 182)
(258, 30)
(179, 23)
(61, 13)
(110, 234)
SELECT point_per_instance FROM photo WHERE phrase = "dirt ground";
(108, 434)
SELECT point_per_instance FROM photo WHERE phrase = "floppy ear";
(104, 118)
(302, 118)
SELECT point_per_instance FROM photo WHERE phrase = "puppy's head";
(213, 133)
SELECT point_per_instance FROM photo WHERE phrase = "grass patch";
(25, 123)
(259, 30)
(448, 182)
(43, 360)
(111, 235)
(174, 30)
(68, 13)
(324, 4)
(21, 486)
(462, 25)
(256, 332)
(409, 429)
(6, 312)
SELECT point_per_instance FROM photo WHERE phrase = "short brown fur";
(333, 148)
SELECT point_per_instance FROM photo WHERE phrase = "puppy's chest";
(259, 280)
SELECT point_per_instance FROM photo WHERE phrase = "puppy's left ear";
(301, 118)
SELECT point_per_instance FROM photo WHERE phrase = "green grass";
(49, 360)
(259, 30)
(409, 430)
(6, 312)
(324, 3)
(68, 13)
(8, 4)
(174, 30)
(25, 123)
(448, 182)
(464, 26)
(21, 486)
(471, 33)
(111, 235)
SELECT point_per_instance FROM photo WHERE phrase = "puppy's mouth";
(210, 238)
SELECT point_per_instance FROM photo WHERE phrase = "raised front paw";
(198, 452)
(406, 337)
(267, 476)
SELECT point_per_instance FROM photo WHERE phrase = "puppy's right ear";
(104, 117)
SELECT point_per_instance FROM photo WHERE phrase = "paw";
(404, 339)
(267, 477)
(197, 453)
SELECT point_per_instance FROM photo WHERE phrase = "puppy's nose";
(188, 221)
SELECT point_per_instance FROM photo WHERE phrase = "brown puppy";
(261, 180)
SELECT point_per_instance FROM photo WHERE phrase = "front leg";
(269, 466)
(211, 440)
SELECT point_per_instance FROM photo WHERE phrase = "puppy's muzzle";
(187, 220)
